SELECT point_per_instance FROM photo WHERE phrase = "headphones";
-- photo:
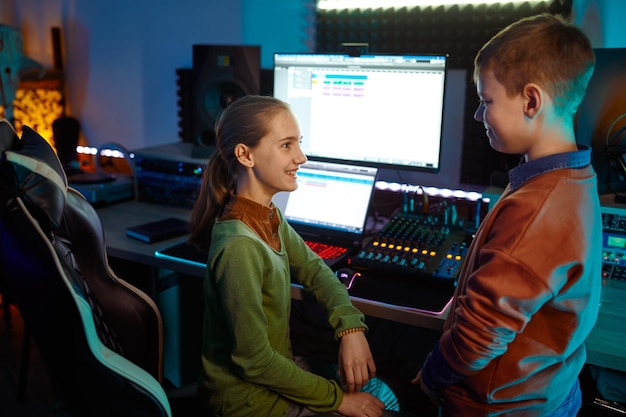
(616, 153)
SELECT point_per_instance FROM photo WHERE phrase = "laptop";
(329, 208)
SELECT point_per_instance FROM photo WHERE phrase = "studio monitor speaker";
(222, 74)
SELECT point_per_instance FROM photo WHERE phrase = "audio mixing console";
(412, 243)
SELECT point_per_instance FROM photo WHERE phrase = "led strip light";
(367, 4)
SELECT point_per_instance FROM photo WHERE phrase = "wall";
(602, 20)
(121, 55)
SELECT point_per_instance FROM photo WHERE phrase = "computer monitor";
(376, 110)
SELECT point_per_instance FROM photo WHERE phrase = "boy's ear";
(242, 153)
(533, 95)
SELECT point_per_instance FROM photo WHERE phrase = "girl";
(248, 368)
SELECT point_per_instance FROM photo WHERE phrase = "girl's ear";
(242, 153)
(533, 95)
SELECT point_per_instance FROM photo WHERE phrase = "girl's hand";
(360, 404)
(356, 364)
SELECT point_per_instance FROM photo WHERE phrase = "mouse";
(347, 276)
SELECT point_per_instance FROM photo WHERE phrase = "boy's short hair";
(543, 49)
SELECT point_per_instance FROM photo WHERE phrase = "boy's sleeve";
(437, 373)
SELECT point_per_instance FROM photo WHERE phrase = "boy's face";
(502, 116)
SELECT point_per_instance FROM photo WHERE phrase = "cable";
(424, 199)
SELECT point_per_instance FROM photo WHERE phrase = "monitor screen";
(377, 110)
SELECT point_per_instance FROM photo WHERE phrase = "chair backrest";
(99, 337)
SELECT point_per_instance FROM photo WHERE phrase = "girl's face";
(277, 157)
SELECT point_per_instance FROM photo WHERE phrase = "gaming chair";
(99, 337)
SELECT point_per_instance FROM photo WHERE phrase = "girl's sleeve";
(239, 280)
(308, 269)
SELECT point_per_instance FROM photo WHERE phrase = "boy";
(529, 291)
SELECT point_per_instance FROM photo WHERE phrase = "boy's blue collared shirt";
(524, 172)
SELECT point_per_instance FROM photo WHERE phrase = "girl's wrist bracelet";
(348, 331)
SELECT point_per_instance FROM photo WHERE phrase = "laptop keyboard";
(325, 250)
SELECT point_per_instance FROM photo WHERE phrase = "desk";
(116, 218)
(605, 345)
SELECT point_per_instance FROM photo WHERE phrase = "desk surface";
(605, 345)
(117, 217)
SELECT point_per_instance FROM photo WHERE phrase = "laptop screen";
(331, 199)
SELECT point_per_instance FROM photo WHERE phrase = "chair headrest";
(33, 171)
(8, 137)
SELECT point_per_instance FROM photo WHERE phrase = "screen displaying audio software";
(379, 110)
